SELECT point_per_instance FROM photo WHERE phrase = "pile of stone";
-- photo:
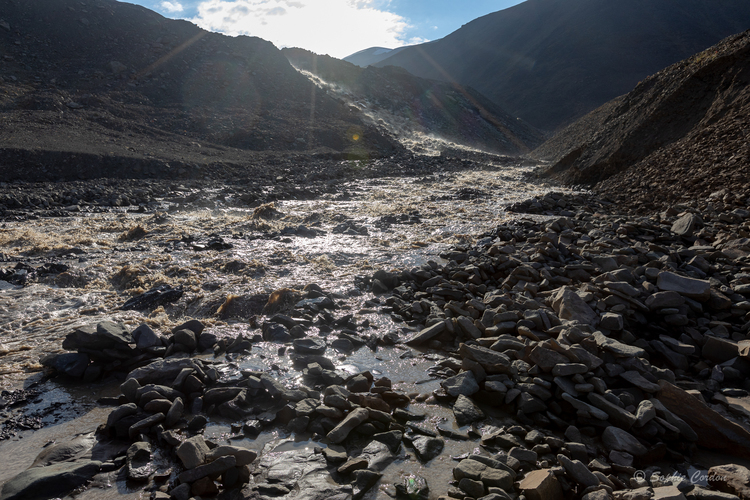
(107, 347)
(616, 342)
(169, 402)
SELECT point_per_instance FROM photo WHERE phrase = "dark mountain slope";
(416, 107)
(119, 81)
(373, 55)
(681, 134)
(551, 61)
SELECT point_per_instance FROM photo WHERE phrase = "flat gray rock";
(463, 383)
(56, 480)
(466, 411)
(615, 438)
(427, 447)
(426, 334)
(693, 288)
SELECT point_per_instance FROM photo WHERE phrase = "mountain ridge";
(680, 135)
(552, 61)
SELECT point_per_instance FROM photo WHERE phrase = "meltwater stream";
(229, 250)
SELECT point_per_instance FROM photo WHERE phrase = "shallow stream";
(385, 223)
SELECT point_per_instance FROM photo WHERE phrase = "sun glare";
(334, 27)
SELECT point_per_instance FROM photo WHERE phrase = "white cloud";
(334, 27)
(171, 7)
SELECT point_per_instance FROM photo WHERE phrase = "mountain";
(370, 56)
(418, 109)
(552, 61)
(681, 134)
(111, 83)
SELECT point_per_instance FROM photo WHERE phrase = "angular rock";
(618, 416)
(578, 471)
(612, 321)
(640, 382)
(72, 364)
(491, 361)
(699, 290)
(719, 350)
(216, 467)
(615, 438)
(163, 370)
(56, 480)
(352, 420)
(713, 430)
(466, 411)
(616, 347)
(145, 337)
(138, 461)
(427, 448)
(192, 452)
(463, 383)
(364, 480)
(571, 307)
(662, 300)
(541, 485)
(426, 334)
(687, 224)
(243, 456)
(730, 478)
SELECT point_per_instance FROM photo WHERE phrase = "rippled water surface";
(113, 256)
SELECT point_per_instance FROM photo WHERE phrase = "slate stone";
(216, 467)
(56, 480)
(712, 430)
(541, 485)
(145, 337)
(138, 459)
(464, 383)
(392, 439)
(578, 471)
(192, 452)
(426, 334)
(427, 448)
(352, 420)
(618, 439)
(570, 306)
(693, 288)
(72, 364)
(466, 411)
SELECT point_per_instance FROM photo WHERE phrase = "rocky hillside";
(552, 61)
(116, 84)
(414, 107)
(681, 134)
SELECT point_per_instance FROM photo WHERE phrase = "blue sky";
(334, 27)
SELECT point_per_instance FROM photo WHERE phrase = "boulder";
(686, 225)
(578, 471)
(571, 307)
(693, 288)
(56, 480)
(731, 478)
(466, 411)
(192, 452)
(463, 383)
(618, 439)
(352, 420)
(714, 431)
(426, 334)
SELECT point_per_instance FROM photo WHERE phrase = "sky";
(334, 27)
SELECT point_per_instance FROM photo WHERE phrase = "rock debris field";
(581, 353)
